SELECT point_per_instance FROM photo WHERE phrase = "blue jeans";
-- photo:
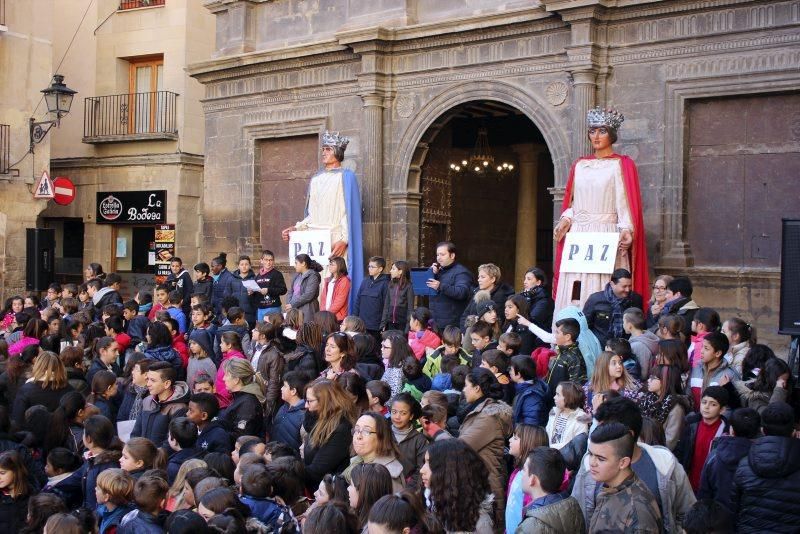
(263, 312)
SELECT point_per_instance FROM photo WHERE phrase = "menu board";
(164, 250)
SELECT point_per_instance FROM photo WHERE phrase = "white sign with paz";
(589, 252)
(315, 243)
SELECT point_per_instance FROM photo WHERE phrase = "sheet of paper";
(251, 285)
(124, 429)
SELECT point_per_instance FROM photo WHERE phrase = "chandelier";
(481, 160)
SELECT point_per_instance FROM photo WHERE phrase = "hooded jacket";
(486, 429)
(245, 415)
(370, 299)
(153, 422)
(498, 294)
(88, 472)
(392, 464)
(215, 438)
(767, 486)
(305, 298)
(166, 354)
(103, 297)
(716, 482)
(644, 346)
(530, 403)
(675, 492)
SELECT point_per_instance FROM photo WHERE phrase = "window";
(146, 104)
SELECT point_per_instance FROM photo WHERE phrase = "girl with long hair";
(104, 351)
(15, 491)
(399, 303)
(340, 355)
(522, 442)
(773, 384)
(398, 513)
(104, 391)
(159, 347)
(369, 482)
(140, 455)
(336, 289)
(245, 414)
(516, 307)
(231, 347)
(303, 292)
(308, 355)
(422, 335)
(68, 420)
(46, 386)
(664, 402)
(394, 350)
(457, 489)
(609, 373)
(673, 352)
(328, 425)
(104, 451)
(742, 337)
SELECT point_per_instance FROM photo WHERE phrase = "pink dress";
(223, 395)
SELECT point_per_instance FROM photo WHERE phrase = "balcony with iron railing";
(130, 117)
(136, 4)
(5, 148)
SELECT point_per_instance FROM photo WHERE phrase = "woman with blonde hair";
(176, 495)
(245, 415)
(489, 280)
(609, 373)
(47, 384)
(328, 423)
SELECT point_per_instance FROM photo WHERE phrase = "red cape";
(639, 267)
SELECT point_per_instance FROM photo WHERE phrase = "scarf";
(618, 306)
(144, 309)
(655, 409)
(136, 408)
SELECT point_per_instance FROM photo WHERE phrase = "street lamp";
(58, 98)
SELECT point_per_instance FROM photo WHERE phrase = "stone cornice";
(180, 158)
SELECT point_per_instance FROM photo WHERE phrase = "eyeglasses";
(309, 400)
(654, 378)
(363, 432)
(659, 288)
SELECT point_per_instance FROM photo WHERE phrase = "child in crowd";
(140, 455)
(530, 393)
(405, 410)
(161, 301)
(150, 496)
(175, 310)
(705, 321)
(664, 402)
(135, 323)
(203, 283)
(700, 430)
(416, 382)
(497, 362)
(200, 351)
(182, 438)
(399, 303)
(711, 369)
(213, 436)
(231, 347)
(61, 463)
(421, 336)
(114, 492)
(378, 394)
(204, 383)
(258, 494)
(287, 422)
(450, 349)
(104, 451)
(526, 439)
(510, 343)
(551, 511)
(434, 422)
(569, 364)
(567, 419)
(104, 392)
(481, 338)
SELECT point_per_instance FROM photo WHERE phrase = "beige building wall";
(26, 67)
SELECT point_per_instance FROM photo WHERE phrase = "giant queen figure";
(334, 203)
(602, 195)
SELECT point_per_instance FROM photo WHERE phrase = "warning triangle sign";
(44, 188)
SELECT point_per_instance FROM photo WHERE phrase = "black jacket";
(137, 329)
(247, 302)
(455, 289)
(370, 300)
(397, 306)
(204, 287)
(223, 287)
(177, 458)
(215, 438)
(103, 298)
(528, 338)
(244, 416)
(540, 309)
(13, 513)
(153, 422)
(333, 456)
(303, 358)
(766, 486)
(184, 285)
(31, 394)
(716, 481)
(598, 310)
(275, 285)
(499, 295)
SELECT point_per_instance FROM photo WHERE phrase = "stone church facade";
(709, 89)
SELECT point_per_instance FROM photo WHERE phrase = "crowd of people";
(209, 407)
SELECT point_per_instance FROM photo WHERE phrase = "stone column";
(527, 193)
(583, 98)
(372, 180)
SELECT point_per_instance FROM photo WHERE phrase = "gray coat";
(307, 298)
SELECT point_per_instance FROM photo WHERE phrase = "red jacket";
(124, 341)
(180, 346)
(341, 294)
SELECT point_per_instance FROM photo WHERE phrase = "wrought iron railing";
(133, 4)
(5, 148)
(130, 114)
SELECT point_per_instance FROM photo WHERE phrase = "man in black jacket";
(766, 487)
(604, 309)
(452, 283)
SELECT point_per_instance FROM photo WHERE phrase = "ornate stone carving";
(404, 104)
(556, 93)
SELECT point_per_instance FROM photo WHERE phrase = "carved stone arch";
(413, 145)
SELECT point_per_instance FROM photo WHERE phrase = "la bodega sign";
(131, 207)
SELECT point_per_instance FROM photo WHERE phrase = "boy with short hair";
(712, 369)
(135, 324)
(716, 479)
(530, 399)
(510, 343)
(434, 422)
(115, 329)
(175, 310)
(623, 504)
(203, 411)
(182, 439)
(114, 491)
(644, 343)
(53, 297)
(550, 511)
(568, 365)
(287, 422)
(371, 296)
(258, 492)
(481, 337)
(160, 301)
(450, 348)
(203, 283)
(699, 431)
(150, 496)
(204, 383)
(69, 291)
(497, 362)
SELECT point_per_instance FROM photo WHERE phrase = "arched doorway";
(504, 218)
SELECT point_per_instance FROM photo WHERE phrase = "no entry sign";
(64, 190)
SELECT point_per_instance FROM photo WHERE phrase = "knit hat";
(202, 338)
(718, 393)
(484, 307)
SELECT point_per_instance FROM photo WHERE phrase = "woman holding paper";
(602, 195)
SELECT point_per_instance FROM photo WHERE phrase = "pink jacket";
(341, 294)
(17, 348)
(421, 340)
(223, 395)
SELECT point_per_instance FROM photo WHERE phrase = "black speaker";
(40, 258)
(790, 278)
